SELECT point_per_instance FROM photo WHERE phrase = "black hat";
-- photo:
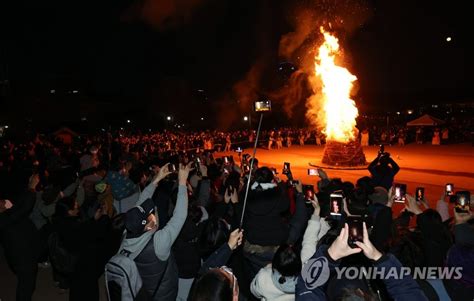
(136, 218)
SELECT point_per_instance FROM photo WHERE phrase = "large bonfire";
(331, 108)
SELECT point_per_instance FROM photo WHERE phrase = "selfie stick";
(250, 173)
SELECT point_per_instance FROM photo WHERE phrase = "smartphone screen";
(263, 106)
(313, 172)
(463, 199)
(286, 168)
(274, 171)
(226, 160)
(335, 204)
(420, 194)
(400, 193)
(355, 230)
(308, 191)
(449, 189)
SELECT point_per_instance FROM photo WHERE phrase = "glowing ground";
(420, 165)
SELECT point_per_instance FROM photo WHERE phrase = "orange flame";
(338, 114)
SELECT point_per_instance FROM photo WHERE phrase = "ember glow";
(336, 111)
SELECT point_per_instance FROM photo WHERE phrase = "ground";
(421, 165)
(427, 166)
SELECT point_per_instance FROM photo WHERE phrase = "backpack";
(62, 260)
(122, 279)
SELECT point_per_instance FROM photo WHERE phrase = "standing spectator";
(401, 138)
(383, 170)
(228, 143)
(436, 138)
(419, 136)
(364, 141)
(445, 136)
(20, 241)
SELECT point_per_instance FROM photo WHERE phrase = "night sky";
(153, 52)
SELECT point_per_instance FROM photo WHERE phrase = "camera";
(355, 230)
(400, 193)
(172, 167)
(197, 166)
(263, 106)
(449, 189)
(313, 172)
(308, 191)
(419, 194)
(335, 200)
(286, 168)
(463, 199)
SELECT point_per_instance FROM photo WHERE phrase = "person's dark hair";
(287, 262)
(63, 206)
(366, 185)
(194, 213)
(215, 233)
(212, 286)
(264, 175)
(432, 216)
(232, 180)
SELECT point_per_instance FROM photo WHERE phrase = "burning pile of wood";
(343, 154)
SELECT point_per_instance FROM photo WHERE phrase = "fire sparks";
(335, 112)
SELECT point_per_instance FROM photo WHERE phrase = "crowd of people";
(173, 211)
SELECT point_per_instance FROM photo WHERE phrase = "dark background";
(184, 58)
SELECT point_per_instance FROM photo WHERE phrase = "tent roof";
(65, 130)
(426, 120)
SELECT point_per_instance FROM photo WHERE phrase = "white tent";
(426, 120)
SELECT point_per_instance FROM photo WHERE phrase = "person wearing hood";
(264, 222)
(149, 247)
(277, 281)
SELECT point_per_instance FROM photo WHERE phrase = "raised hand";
(367, 247)
(235, 238)
(340, 248)
(184, 173)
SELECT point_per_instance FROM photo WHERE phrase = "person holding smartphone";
(383, 170)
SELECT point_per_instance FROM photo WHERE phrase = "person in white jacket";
(270, 282)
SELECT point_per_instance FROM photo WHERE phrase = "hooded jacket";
(263, 221)
(161, 242)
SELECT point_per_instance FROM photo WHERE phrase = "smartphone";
(400, 193)
(463, 200)
(197, 166)
(313, 172)
(239, 149)
(274, 171)
(226, 160)
(449, 189)
(355, 230)
(335, 200)
(172, 167)
(420, 194)
(308, 191)
(263, 106)
(286, 168)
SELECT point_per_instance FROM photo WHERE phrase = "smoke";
(162, 14)
(246, 91)
(298, 46)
